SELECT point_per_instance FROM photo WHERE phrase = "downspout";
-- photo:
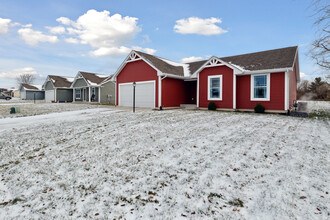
(160, 92)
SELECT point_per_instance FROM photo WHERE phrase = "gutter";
(267, 71)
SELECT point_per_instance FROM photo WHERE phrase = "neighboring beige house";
(17, 93)
(93, 87)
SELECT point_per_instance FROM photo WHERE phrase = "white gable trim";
(132, 57)
(79, 76)
(47, 80)
(215, 61)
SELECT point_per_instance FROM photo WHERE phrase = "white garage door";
(144, 94)
(49, 95)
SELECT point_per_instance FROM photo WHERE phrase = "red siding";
(227, 83)
(176, 92)
(135, 72)
(292, 87)
(277, 90)
(173, 92)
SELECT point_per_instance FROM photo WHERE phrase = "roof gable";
(93, 78)
(30, 87)
(165, 66)
(60, 81)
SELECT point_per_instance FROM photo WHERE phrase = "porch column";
(99, 98)
(89, 94)
(73, 95)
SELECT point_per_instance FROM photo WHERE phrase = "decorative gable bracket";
(133, 57)
(213, 62)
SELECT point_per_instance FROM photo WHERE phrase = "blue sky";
(63, 37)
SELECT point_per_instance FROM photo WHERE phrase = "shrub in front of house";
(259, 108)
(211, 106)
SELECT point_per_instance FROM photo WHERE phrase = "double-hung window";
(78, 94)
(215, 87)
(260, 87)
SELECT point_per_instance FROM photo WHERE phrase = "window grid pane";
(214, 87)
(260, 86)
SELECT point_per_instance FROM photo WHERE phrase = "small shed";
(57, 89)
(31, 92)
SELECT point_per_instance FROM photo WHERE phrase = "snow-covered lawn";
(105, 163)
(28, 108)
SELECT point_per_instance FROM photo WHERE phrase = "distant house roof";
(30, 87)
(94, 78)
(61, 81)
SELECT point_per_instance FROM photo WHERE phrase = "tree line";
(315, 90)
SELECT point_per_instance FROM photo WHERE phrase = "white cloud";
(190, 59)
(302, 75)
(149, 50)
(26, 25)
(146, 39)
(119, 51)
(4, 23)
(33, 37)
(195, 25)
(109, 35)
(110, 51)
(12, 74)
(72, 40)
(56, 30)
(65, 21)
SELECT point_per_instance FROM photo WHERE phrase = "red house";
(232, 83)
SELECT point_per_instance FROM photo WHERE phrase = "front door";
(191, 88)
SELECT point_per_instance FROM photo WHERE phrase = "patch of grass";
(211, 195)
(236, 202)
(322, 114)
(16, 200)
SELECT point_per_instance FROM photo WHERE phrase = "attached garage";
(31, 92)
(49, 95)
(57, 89)
(145, 94)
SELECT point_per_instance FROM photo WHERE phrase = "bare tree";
(320, 51)
(25, 78)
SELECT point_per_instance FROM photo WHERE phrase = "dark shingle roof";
(270, 59)
(61, 81)
(94, 77)
(194, 66)
(28, 86)
(162, 65)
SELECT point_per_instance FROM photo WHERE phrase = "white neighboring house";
(31, 92)
(93, 87)
(58, 89)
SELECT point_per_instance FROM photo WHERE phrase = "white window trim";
(208, 88)
(268, 88)
(75, 93)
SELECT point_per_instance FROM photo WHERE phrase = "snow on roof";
(102, 75)
(186, 71)
(37, 86)
(237, 66)
(69, 79)
(91, 83)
